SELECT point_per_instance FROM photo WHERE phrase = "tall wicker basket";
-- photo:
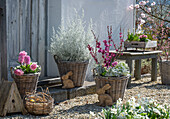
(118, 86)
(165, 72)
(26, 82)
(78, 68)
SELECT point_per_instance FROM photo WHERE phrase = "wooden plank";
(53, 21)
(25, 8)
(51, 81)
(42, 35)
(13, 28)
(0, 40)
(34, 30)
(3, 40)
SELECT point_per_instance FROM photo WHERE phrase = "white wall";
(102, 12)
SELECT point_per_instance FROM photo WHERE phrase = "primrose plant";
(108, 66)
(26, 66)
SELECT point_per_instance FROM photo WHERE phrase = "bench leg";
(137, 69)
(129, 62)
(154, 69)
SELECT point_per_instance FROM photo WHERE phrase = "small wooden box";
(137, 44)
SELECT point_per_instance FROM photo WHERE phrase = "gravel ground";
(80, 107)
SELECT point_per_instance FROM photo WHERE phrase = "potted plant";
(69, 48)
(25, 75)
(138, 41)
(164, 62)
(108, 70)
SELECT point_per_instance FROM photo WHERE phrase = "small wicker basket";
(39, 103)
(26, 82)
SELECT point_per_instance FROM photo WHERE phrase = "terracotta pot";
(118, 86)
(26, 82)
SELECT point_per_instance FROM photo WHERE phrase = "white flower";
(143, 15)
(114, 111)
(92, 113)
(137, 6)
(154, 3)
(156, 111)
(142, 21)
(147, 1)
(130, 7)
(149, 9)
(142, 3)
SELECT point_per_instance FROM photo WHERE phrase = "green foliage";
(132, 37)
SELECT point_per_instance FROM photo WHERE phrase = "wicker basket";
(118, 86)
(26, 82)
(43, 106)
(165, 72)
(78, 68)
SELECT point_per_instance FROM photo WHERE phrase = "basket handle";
(55, 58)
(12, 72)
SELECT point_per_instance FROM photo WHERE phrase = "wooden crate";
(137, 44)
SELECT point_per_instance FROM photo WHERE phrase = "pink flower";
(33, 66)
(22, 53)
(114, 64)
(166, 53)
(21, 59)
(107, 49)
(27, 60)
(18, 72)
(113, 55)
(105, 41)
(100, 50)
(107, 54)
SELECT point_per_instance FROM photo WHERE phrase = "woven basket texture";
(78, 68)
(26, 82)
(165, 72)
(39, 108)
(118, 86)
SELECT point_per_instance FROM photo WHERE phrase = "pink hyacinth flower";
(33, 66)
(22, 53)
(18, 72)
(27, 60)
(114, 64)
(21, 59)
